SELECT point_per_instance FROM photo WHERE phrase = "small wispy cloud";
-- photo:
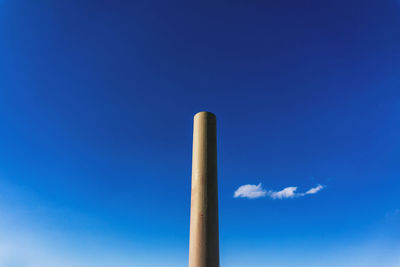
(256, 191)
(288, 192)
(250, 191)
(314, 190)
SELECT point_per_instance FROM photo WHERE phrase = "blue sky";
(96, 106)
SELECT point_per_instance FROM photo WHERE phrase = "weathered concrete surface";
(204, 237)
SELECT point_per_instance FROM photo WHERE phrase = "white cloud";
(288, 192)
(250, 191)
(256, 191)
(314, 190)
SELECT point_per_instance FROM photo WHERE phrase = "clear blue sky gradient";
(96, 107)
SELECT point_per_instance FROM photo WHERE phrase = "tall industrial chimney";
(204, 239)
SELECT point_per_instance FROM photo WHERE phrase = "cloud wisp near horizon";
(256, 191)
